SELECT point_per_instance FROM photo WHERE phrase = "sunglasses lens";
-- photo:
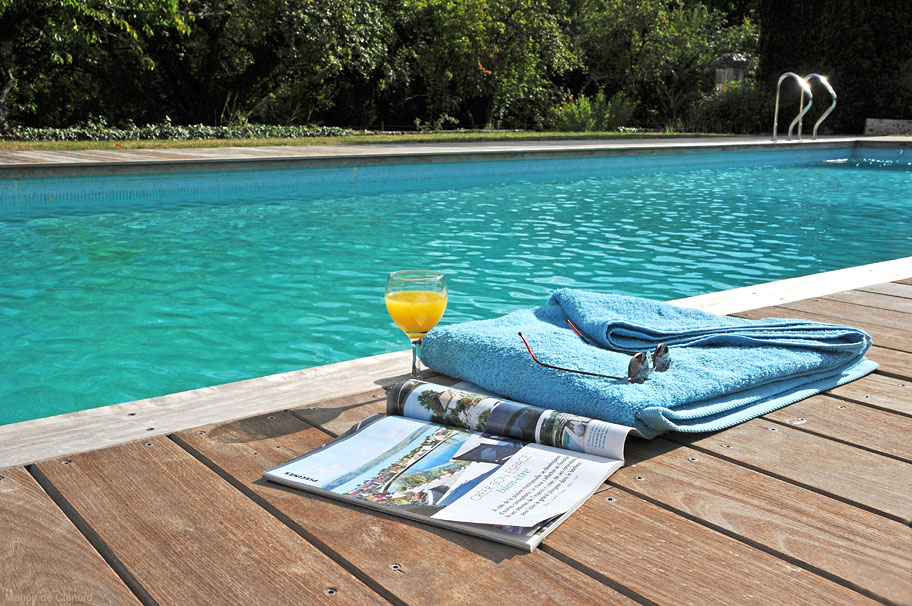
(661, 359)
(638, 369)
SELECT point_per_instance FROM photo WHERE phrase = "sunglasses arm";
(581, 372)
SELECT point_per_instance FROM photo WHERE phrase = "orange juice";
(416, 311)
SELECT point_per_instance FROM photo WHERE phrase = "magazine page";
(489, 414)
(489, 485)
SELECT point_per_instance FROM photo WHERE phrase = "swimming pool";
(119, 288)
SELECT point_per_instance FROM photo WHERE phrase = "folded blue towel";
(723, 370)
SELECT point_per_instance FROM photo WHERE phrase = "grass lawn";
(438, 137)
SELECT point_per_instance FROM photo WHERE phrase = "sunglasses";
(637, 370)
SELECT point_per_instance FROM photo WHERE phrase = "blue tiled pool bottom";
(120, 288)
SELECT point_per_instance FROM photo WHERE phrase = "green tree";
(657, 52)
(430, 401)
(609, 36)
(493, 60)
(44, 33)
(677, 52)
(458, 414)
(525, 47)
(273, 60)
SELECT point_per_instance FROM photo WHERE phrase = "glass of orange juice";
(416, 300)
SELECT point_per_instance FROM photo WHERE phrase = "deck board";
(807, 527)
(847, 312)
(872, 428)
(894, 289)
(886, 393)
(337, 415)
(876, 482)
(892, 361)
(669, 559)
(876, 300)
(432, 564)
(190, 538)
(41, 545)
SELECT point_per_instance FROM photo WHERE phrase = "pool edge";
(26, 164)
(28, 442)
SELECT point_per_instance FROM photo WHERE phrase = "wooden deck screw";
(774, 429)
(270, 418)
(330, 591)
(66, 462)
(639, 478)
(693, 459)
(147, 444)
(395, 567)
(131, 414)
(201, 433)
(841, 406)
(150, 429)
(610, 499)
(726, 446)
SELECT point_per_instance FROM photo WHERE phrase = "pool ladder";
(805, 84)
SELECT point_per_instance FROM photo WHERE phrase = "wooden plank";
(848, 312)
(31, 441)
(907, 281)
(881, 335)
(872, 428)
(872, 299)
(878, 483)
(40, 548)
(337, 415)
(669, 559)
(880, 391)
(894, 289)
(794, 289)
(417, 563)
(820, 533)
(892, 361)
(188, 537)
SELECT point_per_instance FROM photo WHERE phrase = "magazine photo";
(513, 488)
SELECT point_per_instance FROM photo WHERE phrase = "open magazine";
(466, 461)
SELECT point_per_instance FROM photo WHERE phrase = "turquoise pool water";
(120, 288)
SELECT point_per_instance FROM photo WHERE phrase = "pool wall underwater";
(408, 175)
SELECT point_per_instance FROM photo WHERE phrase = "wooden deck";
(807, 505)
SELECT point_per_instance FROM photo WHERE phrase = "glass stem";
(416, 362)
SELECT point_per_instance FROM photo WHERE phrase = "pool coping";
(31, 441)
(33, 164)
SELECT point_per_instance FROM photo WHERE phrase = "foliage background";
(428, 64)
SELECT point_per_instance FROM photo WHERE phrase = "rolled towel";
(723, 370)
(635, 324)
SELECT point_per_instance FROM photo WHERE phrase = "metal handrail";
(805, 88)
(826, 84)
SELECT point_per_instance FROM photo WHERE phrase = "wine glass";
(416, 300)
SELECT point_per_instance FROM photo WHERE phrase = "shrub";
(735, 107)
(98, 130)
(584, 114)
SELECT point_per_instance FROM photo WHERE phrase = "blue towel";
(723, 370)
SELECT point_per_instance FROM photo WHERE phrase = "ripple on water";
(128, 299)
